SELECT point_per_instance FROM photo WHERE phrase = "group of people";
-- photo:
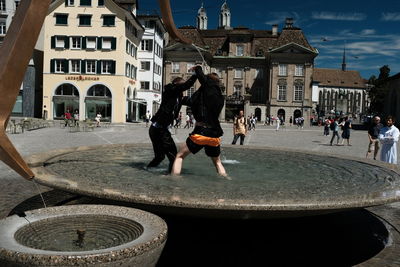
(335, 124)
(206, 104)
(75, 117)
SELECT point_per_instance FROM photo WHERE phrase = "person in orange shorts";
(206, 104)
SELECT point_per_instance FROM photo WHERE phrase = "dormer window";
(218, 52)
(239, 50)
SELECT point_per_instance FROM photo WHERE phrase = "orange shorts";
(205, 140)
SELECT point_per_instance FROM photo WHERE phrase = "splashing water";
(40, 193)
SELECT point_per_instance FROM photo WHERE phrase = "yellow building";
(90, 58)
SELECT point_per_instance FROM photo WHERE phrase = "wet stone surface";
(260, 179)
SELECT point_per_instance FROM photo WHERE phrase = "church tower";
(344, 59)
(225, 17)
(202, 18)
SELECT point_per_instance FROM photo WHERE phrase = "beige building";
(262, 72)
(90, 58)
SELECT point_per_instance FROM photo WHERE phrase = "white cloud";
(339, 16)
(280, 17)
(390, 17)
(368, 31)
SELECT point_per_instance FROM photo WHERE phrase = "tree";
(379, 90)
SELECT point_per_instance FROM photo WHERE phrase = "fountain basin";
(100, 235)
(264, 182)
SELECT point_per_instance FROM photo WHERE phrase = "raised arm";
(186, 85)
(200, 75)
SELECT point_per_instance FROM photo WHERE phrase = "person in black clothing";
(171, 103)
(206, 104)
(373, 133)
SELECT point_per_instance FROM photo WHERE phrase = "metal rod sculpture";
(15, 54)
(168, 20)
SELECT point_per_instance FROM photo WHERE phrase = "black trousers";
(163, 145)
(235, 138)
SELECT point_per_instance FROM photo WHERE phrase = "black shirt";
(374, 130)
(171, 102)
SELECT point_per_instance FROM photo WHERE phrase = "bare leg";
(183, 152)
(218, 165)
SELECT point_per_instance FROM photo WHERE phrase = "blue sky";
(370, 29)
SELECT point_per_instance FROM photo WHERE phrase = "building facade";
(90, 58)
(263, 72)
(150, 57)
(339, 92)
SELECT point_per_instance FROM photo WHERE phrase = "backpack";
(332, 126)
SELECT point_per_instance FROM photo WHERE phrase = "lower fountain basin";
(264, 182)
(102, 235)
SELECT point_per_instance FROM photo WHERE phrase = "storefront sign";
(81, 78)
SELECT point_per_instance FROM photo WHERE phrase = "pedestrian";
(98, 119)
(373, 134)
(346, 130)
(389, 136)
(335, 131)
(206, 103)
(76, 117)
(187, 121)
(290, 120)
(178, 121)
(147, 118)
(239, 128)
(163, 144)
(278, 123)
(67, 117)
(326, 127)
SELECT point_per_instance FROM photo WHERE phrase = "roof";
(261, 39)
(338, 78)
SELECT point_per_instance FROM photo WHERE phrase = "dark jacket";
(171, 102)
(207, 102)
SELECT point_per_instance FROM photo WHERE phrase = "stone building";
(264, 72)
(392, 99)
(90, 58)
(338, 91)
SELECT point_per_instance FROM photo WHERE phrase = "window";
(145, 65)
(259, 74)
(298, 93)
(75, 66)
(189, 66)
(145, 85)
(175, 67)
(2, 5)
(76, 42)
(70, 3)
(61, 19)
(106, 67)
(128, 47)
(282, 70)
(128, 70)
(133, 51)
(108, 20)
(299, 70)
(3, 28)
(282, 92)
(106, 43)
(86, 2)
(238, 73)
(60, 42)
(90, 66)
(91, 42)
(239, 50)
(147, 45)
(85, 20)
(133, 72)
(100, 3)
(59, 66)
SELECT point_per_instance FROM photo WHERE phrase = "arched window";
(99, 100)
(66, 98)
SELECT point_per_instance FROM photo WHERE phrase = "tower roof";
(202, 10)
(224, 6)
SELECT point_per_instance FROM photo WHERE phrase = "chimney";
(289, 23)
(275, 30)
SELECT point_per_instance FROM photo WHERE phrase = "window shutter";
(112, 67)
(83, 42)
(66, 42)
(83, 66)
(113, 43)
(66, 65)
(99, 43)
(98, 67)
(52, 65)
(53, 42)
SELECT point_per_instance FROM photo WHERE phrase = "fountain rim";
(44, 177)
(154, 232)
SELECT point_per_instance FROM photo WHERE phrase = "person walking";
(335, 131)
(326, 127)
(147, 118)
(239, 128)
(67, 117)
(187, 122)
(346, 130)
(76, 117)
(291, 121)
(278, 123)
(206, 103)
(163, 144)
(373, 134)
(389, 136)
